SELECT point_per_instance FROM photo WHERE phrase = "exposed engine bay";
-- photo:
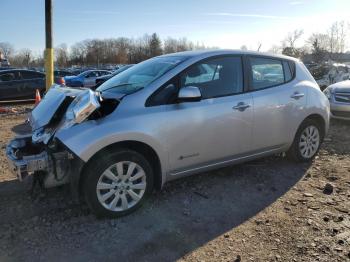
(35, 147)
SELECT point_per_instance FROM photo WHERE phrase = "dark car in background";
(20, 84)
(85, 79)
(102, 79)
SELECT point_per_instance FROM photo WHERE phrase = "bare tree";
(96, 52)
(22, 58)
(259, 46)
(323, 41)
(292, 37)
(289, 44)
(6, 49)
(275, 49)
(337, 38)
(61, 53)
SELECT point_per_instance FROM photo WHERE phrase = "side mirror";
(189, 94)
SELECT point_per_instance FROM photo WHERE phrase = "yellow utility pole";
(49, 49)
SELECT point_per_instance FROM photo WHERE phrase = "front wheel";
(307, 141)
(118, 183)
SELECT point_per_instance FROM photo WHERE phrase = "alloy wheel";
(121, 186)
(309, 141)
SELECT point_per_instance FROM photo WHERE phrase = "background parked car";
(102, 79)
(339, 99)
(326, 74)
(62, 73)
(85, 79)
(17, 84)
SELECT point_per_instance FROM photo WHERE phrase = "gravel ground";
(266, 210)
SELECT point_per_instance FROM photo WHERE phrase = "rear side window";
(31, 75)
(266, 72)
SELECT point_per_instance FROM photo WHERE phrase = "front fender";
(88, 138)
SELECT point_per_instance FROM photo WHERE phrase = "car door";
(8, 86)
(90, 79)
(278, 101)
(31, 82)
(216, 129)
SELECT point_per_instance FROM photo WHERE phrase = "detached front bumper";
(25, 158)
(23, 165)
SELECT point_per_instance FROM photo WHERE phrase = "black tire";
(294, 152)
(95, 171)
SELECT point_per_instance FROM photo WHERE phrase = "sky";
(219, 23)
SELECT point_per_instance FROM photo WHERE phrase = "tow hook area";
(38, 188)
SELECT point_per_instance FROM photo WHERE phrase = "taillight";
(61, 81)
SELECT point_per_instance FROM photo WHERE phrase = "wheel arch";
(146, 150)
(320, 120)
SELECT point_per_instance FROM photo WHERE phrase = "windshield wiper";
(137, 88)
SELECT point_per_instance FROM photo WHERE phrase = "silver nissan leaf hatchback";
(168, 117)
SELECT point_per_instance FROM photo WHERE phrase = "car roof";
(20, 70)
(213, 52)
(94, 70)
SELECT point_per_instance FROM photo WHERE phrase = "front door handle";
(297, 95)
(241, 106)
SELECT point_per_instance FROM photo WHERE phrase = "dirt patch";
(266, 210)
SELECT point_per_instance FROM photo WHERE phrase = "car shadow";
(184, 216)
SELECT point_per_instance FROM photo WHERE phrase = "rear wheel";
(307, 141)
(118, 184)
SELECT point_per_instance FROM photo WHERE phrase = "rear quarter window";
(269, 72)
(31, 75)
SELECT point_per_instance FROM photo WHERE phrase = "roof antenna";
(259, 47)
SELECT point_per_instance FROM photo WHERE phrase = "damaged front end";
(35, 147)
(26, 158)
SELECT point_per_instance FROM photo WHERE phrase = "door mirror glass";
(189, 94)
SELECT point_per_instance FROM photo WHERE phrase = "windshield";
(121, 70)
(141, 75)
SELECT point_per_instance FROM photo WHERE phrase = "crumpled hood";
(49, 105)
(57, 100)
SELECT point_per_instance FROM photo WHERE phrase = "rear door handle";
(241, 106)
(297, 95)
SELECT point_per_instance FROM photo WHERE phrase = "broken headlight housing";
(81, 108)
(328, 93)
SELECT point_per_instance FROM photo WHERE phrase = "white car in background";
(339, 98)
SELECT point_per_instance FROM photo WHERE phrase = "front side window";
(215, 77)
(7, 77)
(92, 74)
(265, 72)
(102, 73)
